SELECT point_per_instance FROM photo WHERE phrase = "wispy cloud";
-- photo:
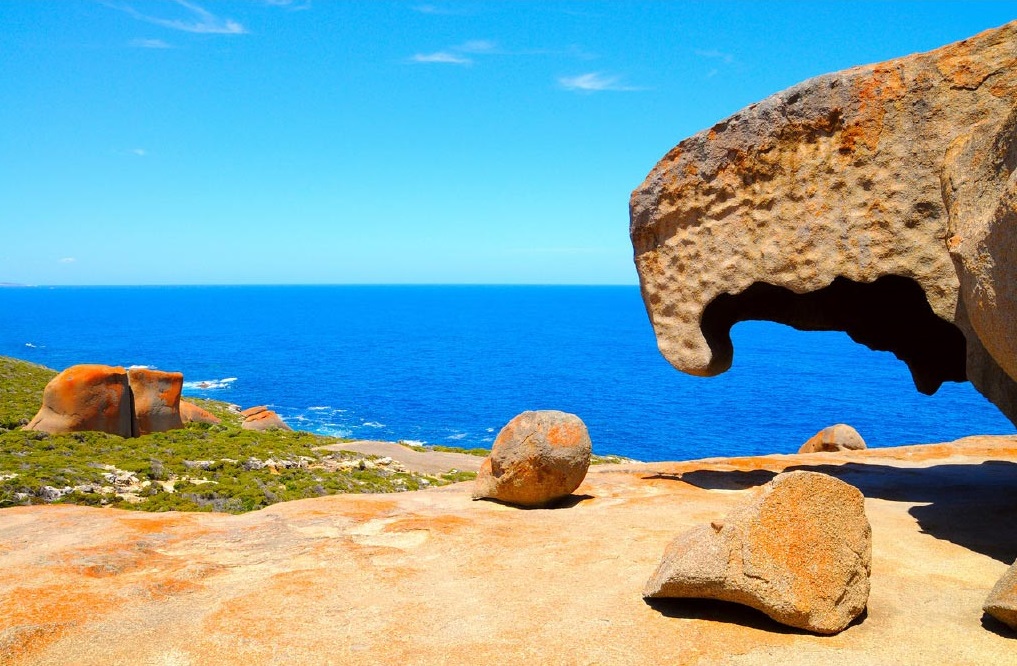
(150, 44)
(477, 46)
(714, 54)
(67, 260)
(199, 19)
(437, 10)
(140, 152)
(441, 57)
(295, 5)
(595, 82)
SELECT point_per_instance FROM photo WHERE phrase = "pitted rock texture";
(879, 200)
(1002, 600)
(538, 457)
(262, 418)
(191, 413)
(799, 551)
(86, 397)
(156, 400)
(840, 437)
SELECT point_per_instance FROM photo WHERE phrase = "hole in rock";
(890, 314)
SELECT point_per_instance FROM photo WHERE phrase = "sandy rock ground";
(425, 462)
(433, 577)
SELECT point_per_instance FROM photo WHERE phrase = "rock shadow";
(724, 611)
(969, 505)
(566, 502)
(990, 623)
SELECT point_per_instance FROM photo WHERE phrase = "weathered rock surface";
(839, 437)
(1002, 600)
(262, 418)
(191, 413)
(879, 200)
(251, 411)
(86, 397)
(433, 577)
(156, 400)
(537, 458)
(800, 551)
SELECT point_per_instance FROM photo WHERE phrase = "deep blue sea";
(452, 364)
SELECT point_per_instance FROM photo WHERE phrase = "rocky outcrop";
(879, 200)
(537, 458)
(191, 413)
(840, 437)
(262, 418)
(799, 551)
(156, 400)
(86, 397)
(1002, 600)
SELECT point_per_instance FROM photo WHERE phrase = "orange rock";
(265, 419)
(840, 437)
(1002, 601)
(799, 551)
(86, 397)
(191, 413)
(156, 400)
(251, 411)
(537, 458)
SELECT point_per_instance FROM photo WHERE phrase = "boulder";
(265, 419)
(840, 437)
(879, 200)
(1002, 600)
(537, 458)
(798, 550)
(251, 411)
(156, 400)
(191, 413)
(86, 397)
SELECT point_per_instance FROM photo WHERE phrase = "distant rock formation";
(1002, 600)
(799, 551)
(156, 400)
(537, 458)
(86, 397)
(191, 413)
(839, 437)
(880, 200)
(262, 418)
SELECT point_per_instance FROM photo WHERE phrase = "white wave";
(319, 408)
(373, 424)
(209, 384)
(413, 442)
(490, 430)
(336, 432)
(141, 367)
(457, 436)
(33, 346)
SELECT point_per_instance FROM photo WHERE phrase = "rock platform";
(432, 577)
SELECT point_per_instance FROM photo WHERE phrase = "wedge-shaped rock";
(265, 419)
(191, 413)
(537, 458)
(1002, 601)
(86, 397)
(799, 550)
(840, 437)
(156, 400)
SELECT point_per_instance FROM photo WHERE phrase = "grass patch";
(21, 385)
(483, 453)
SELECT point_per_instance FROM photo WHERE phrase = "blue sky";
(197, 142)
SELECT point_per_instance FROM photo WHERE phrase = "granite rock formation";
(156, 400)
(262, 418)
(839, 437)
(1002, 600)
(537, 458)
(799, 551)
(86, 397)
(191, 413)
(880, 200)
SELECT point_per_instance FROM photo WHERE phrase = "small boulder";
(265, 419)
(191, 413)
(251, 411)
(156, 400)
(798, 550)
(1002, 601)
(840, 437)
(86, 397)
(537, 458)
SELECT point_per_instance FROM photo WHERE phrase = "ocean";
(450, 365)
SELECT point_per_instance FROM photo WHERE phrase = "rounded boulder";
(156, 399)
(537, 458)
(840, 437)
(86, 397)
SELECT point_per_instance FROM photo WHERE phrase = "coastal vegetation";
(201, 467)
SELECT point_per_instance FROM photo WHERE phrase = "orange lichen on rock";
(191, 413)
(156, 399)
